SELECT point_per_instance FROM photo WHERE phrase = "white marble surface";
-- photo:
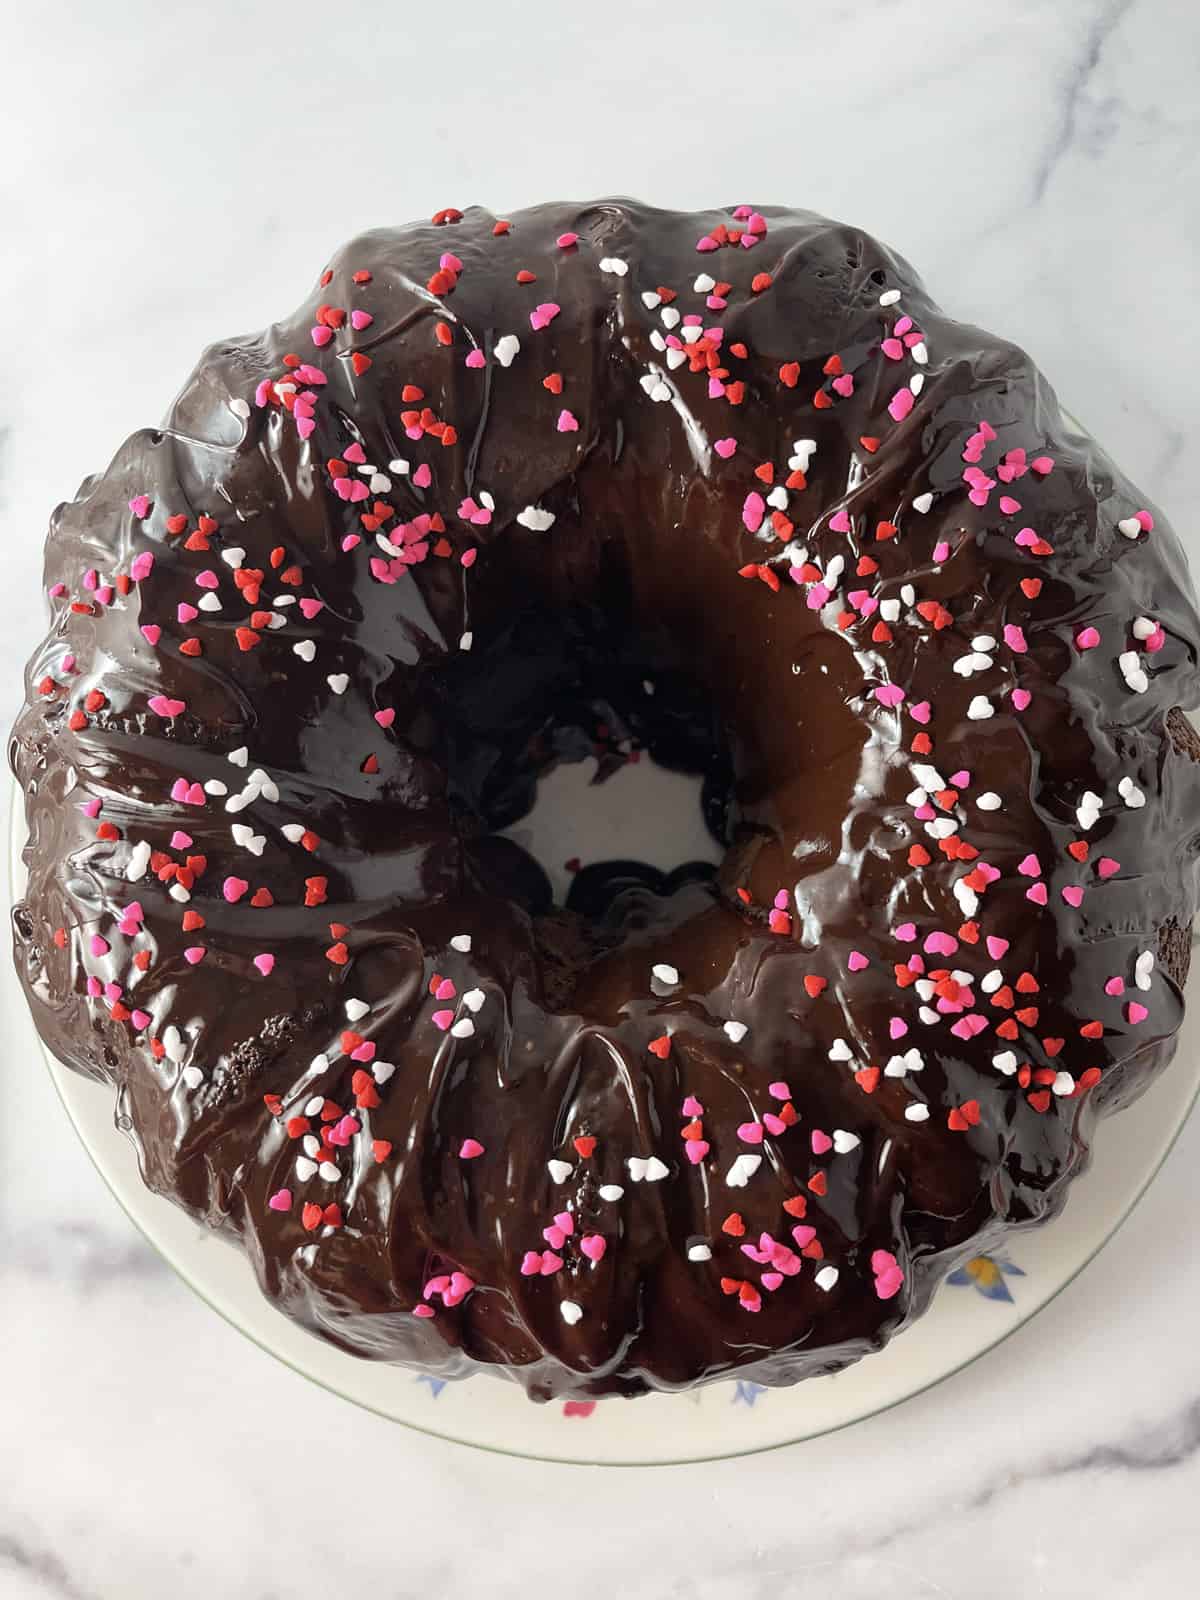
(172, 174)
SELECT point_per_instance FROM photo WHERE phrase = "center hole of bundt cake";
(591, 772)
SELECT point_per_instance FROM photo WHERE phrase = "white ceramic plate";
(975, 1310)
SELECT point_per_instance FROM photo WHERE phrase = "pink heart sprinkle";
(906, 932)
(163, 706)
(1087, 638)
(941, 551)
(691, 1107)
(696, 1150)
(1073, 895)
(1029, 866)
(567, 422)
(142, 566)
(750, 1132)
(151, 632)
(355, 454)
(320, 335)
(385, 718)
(779, 1090)
(725, 447)
(554, 1237)
(140, 1019)
(194, 954)
(281, 1200)
(476, 358)
(1107, 867)
(754, 508)
(856, 961)
(265, 964)
(565, 1221)
(550, 1263)
(186, 613)
(1020, 699)
(443, 1019)
(921, 712)
(774, 1125)
(897, 1027)
(140, 505)
(593, 1246)
(100, 946)
(844, 384)
(804, 1234)
(360, 320)
(839, 522)
(1014, 638)
(1115, 986)
(820, 1142)
(531, 1263)
(469, 1149)
(1008, 505)
(423, 476)
(772, 1280)
(996, 946)
(233, 889)
(304, 427)
(1037, 894)
(1136, 1012)
(889, 694)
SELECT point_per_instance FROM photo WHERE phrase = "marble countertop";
(180, 174)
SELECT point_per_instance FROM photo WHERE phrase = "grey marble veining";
(172, 176)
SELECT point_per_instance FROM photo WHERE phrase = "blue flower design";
(986, 1274)
(747, 1394)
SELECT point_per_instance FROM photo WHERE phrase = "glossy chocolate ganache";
(598, 481)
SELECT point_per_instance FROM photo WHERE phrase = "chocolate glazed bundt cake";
(726, 490)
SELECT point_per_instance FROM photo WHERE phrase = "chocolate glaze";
(647, 574)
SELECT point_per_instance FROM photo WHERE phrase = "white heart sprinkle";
(174, 1043)
(559, 1171)
(742, 1170)
(736, 1031)
(233, 556)
(839, 1050)
(670, 317)
(844, 1142)
(989, 801)
(240, 408)
(239, 757)
(699, 1252)
(461, 942)
(339, 682)
(665, 974)
(571, 1311)
(399, 466)
(778, 498)
(1063, 1083)
(922, 503)
(214, 786)
(610, 1191)
(209, 602)
(1005, 1062)
(826, 1277)
(139, 860)
(381, 1071)
(465, 641)
(650, 298)
(1130, 527)
(704, 283)
(329, 1172)
(614, 265)
(178, 892)
(315, 1106)
(193, 1077)
(916, 1112)
(293, 832)
(980, 709)
(306, 649)
(507, 346)
(637, 1168)
(473, 999)
(463, 1028)
(380, 483)
(306, 1168)
(656, 1170)
(311, 1145)
(536, 518)
(356, 1009)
